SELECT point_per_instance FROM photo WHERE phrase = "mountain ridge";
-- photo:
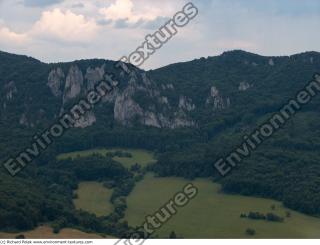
(177, 95)
(232, 52)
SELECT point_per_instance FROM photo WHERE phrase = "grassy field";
(45, 232)
(94, 198)
(213, 214)
(138, 156)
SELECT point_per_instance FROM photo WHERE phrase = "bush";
(135, 168)
(273, 217)
(250, 232)
(56, 229)
(109, 184)
(20, 237)
(256, 215)
(243, 216)
(172, 235)
(138, 177)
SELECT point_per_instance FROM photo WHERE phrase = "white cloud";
(8, 36)
(125, 10)
(121, 9)
(64, 26)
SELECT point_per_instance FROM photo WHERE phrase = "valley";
(212, 214)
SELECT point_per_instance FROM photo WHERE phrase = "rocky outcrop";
(56, 81)
(10, 90)
(180, 122)
(23, 120)
(311, 60)
(243, 86)
(85, 121)
(74, 83)
(216, 100)
(151, 119)
(146, 81)
(158, 113)
(271, 62)
(168, 86)
(93, 76)
(164, 100)
(126, 110)
(186, 103)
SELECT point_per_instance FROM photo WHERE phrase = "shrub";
(250, 232)
(172, 235)
(273, 217)
(20, 236)
(256, 215)
(243, 216)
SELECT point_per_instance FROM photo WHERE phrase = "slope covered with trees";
(226, 96)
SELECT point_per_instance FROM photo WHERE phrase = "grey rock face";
(125, 109)
(159, 113)
(111, 97)
(74, 83)
(145, 79)
(311, 60)
(156, 114)
(163, 100)
(151, 119)
(216, 100)
(243, 86)
(179, 120)
(23, 120)
(186, 103)
(271, 62)
(168, 86)
(86, 121)
(10, 89)
(56, 81)
(94, 76)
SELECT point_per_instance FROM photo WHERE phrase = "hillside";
(190, 114)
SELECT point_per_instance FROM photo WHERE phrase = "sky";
(66, 30)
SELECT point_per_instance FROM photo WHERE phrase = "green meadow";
(138, 156)
(212, 214)
(94, 198)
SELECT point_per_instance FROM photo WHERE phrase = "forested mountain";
(190, 113)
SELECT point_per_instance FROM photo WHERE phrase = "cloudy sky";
(65, 30)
